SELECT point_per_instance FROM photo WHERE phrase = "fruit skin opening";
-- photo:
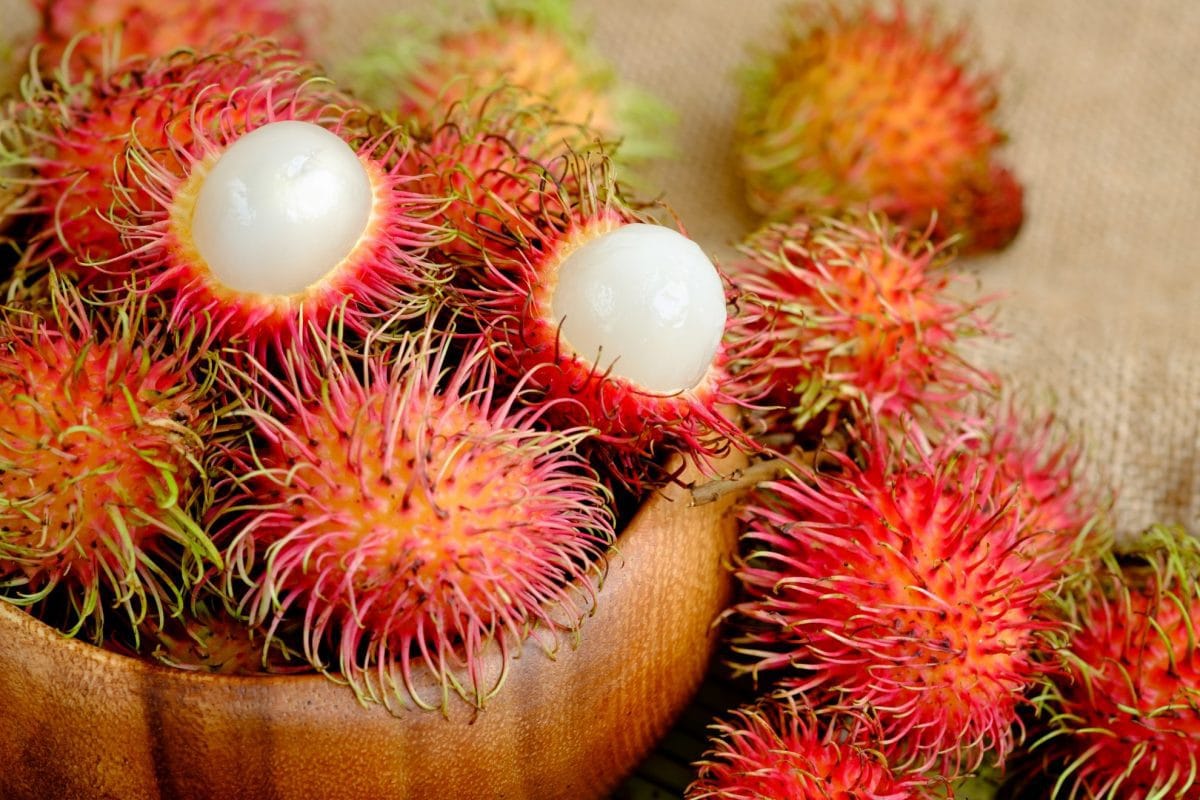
(643, 302)
(281, 208)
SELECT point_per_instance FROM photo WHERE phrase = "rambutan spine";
(1123, 718)
(103, 473)
(413, 517)
(899, 585)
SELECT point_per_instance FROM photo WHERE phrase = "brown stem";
(750, 476)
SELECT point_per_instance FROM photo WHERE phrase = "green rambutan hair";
(896, 581)
(1123, 719)
(410, 517)
(103, 473)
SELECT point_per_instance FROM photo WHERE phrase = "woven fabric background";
(1102, 102)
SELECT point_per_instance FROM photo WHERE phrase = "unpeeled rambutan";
(1041, 463)
(865, 109)
(857, 315)
(532, 46)
(102, 473)
(778, 751)
(412, 517)
(899, 586)
(82, 35)
(1124, 716)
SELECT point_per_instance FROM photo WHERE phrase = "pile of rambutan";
(312, 377)
(930, 600)
(299, 383)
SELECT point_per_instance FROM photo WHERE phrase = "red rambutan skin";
(863, 313)
(777, 751)
(1126, 711)
(510, 290)
(101, 465)
(217, 99)
(519, 221)
(78, 34)
(862, 108)
(78, 135)
(1040, 463)
(411, 517)
(900, 586)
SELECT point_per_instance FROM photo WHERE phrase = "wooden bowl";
(79, 722)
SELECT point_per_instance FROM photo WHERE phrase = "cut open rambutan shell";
(612, 321)
(862, 108)
(857, 314)
(899, 585)
(779, 750)
(1124, 717)
(102, 464)
(240, 185)
(410, 514)
(75, 134)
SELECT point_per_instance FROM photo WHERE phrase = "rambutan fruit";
(246, 189)
(1124, 716)
(900, 586)
(102, 463)
(489, 166)
(207, 638)
(75, 136)
(617, 323)
(96, 34)
(865, 109)
(532, 46)
(1041, 463)
(413, 518)
(857, 315)
(779, 751)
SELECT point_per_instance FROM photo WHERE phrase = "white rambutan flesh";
(281, 208)
(644, 302)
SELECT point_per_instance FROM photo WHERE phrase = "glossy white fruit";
(645, 301)
(281, 208)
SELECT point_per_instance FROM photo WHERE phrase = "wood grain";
(81, 723)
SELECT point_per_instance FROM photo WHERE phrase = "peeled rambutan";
(96, 34)
(899, 586)
(412, 517)
(76, 136)
(857, 315)
(1124, 716)
(779, 751)
(615, 322)
(246, 189)
(102, 473)
(534, 47)
(865, 109)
